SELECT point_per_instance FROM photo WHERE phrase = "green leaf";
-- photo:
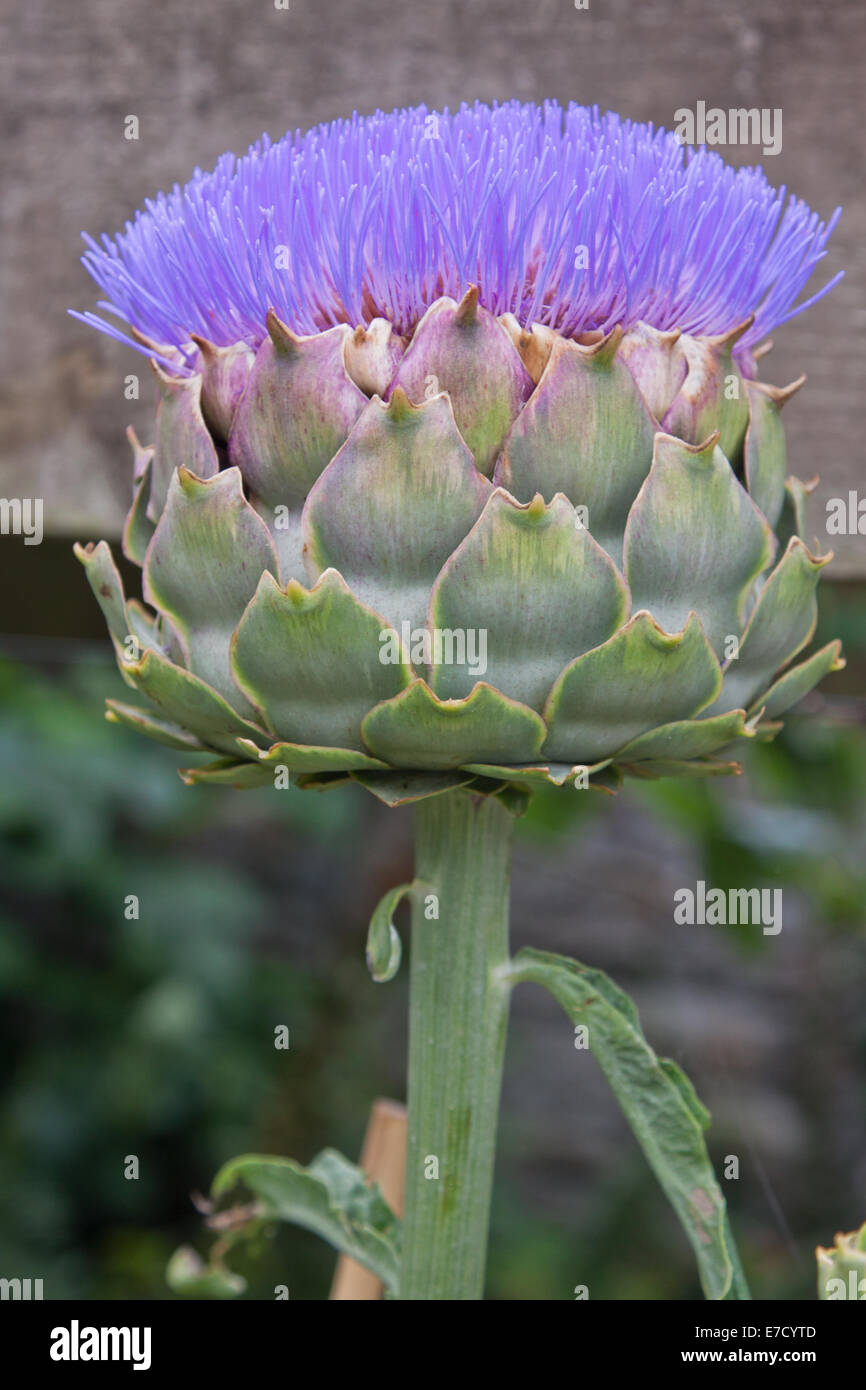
(203, 564)
(392, 506)
(585, 431)
(187, 700)
(695, 540)
(296, 411)
(402, 788)
(331, 1198)
(138, 529)
(311, 661)
(297, 408)
(767, 729)
(532, 775)
(659, 1103)
(383, 943)
(182, 438)
(130, 627)
(104, 579)
(145, 722)
(687, 738)
(461, 349)
(154, 630)
(321, 781)
(416, 730)
(658, 366)
(640, 678)
(533, 581)
(765, 458)
(224, 374)
(792, 521)
(705, 401)
(228, 772)
(305, 757)
(797, 682)
(780, 625)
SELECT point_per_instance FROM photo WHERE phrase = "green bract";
(489, 556)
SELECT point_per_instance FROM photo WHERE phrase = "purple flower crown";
(381, 215)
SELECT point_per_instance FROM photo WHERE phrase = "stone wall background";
(209, 76)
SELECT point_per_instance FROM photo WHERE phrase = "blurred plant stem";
(457, 1022)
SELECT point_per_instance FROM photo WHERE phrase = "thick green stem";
(457, 1020)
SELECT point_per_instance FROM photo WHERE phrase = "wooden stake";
(383, 1160)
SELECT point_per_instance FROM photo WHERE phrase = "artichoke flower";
(461, 471)
(462, 482)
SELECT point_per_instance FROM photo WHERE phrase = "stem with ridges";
(457, 1022)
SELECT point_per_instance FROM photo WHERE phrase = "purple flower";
(564, 217)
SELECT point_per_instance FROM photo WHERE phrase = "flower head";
(563, 217)
(454, 474)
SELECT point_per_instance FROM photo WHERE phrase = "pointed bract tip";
(662, 440)
(751, 723)
(603, 348)
(780, 394)
(400, 409)
(665, 338)
(208, 350)
(163, 349)
(295, 592)
(813, 555)
(467, 310)
(533, 343)
(141, 453)
(733, 335)
(655, 633)
(164, 380)
(282, 337)
(170, 385)
(709, 443)
(214, 488)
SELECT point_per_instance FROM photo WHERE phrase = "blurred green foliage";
(149, 1037)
